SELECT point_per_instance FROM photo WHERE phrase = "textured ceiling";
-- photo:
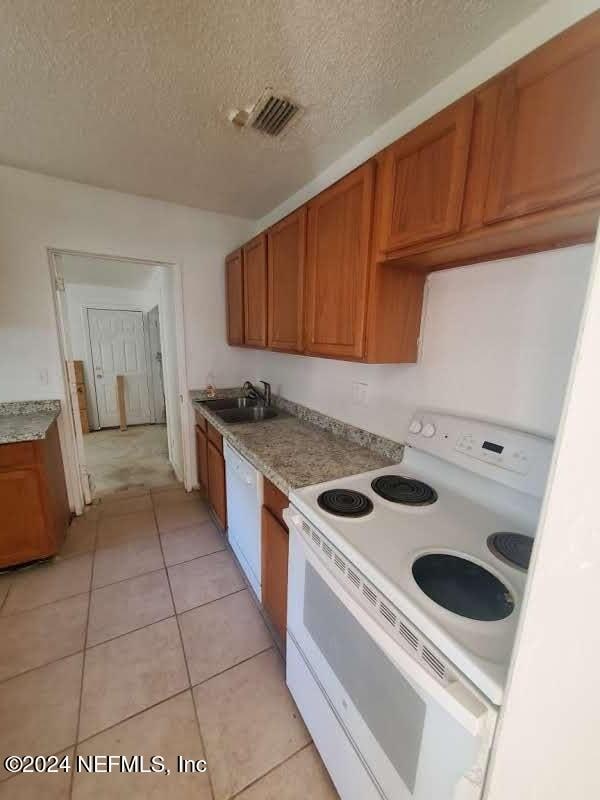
(97, 271)
(133, 94)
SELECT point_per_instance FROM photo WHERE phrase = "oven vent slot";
(353, 577)
(340, 564)
(380, 608)
(369, 594)
(387, 613)
(434, 662)
(409, 636)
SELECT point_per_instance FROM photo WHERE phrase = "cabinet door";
(216, 484)
(337, 265)
(423, 179)
(286, 245)
(255, 292)
(23, 529)
(202, 458)
(234, 286)
(274, 577)
(546, 146)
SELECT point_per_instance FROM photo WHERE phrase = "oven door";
(384, 726)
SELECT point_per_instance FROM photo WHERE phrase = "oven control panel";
(510, 456)
(501, 455)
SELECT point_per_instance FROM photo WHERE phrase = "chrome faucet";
(263, 397)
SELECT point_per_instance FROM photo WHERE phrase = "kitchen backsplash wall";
(496, 342)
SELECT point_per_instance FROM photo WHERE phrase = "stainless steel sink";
(248, 414)
(230, 402)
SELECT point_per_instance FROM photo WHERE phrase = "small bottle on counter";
(210, 385)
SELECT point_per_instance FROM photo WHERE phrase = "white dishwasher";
(244, 501)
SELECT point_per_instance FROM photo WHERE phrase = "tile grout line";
(40, 666)
(233, 666)
(13, 614)
(118, 635)
(87, 625)
(170, 697)
(269, 771)
(187, 668)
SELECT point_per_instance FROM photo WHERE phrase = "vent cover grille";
(272, 114)
(380, 608)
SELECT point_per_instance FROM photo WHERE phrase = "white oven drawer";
(417, 738)
(351, 778)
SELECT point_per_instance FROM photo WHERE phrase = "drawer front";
(17, 454)
(215, 437)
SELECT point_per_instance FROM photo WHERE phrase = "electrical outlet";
(43, 376)
(360, 393)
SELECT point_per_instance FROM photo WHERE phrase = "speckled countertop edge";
(332, 449)
(27, 420)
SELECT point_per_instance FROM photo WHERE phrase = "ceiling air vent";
(272, 113)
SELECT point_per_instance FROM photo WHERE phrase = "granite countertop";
(26, 421)
(291, 452)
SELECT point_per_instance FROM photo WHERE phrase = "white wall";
(547, 743)
(549, 20)
(496, 342)
(37, 212)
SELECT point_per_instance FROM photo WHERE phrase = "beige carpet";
(118, 459)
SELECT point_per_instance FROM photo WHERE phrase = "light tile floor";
(142, 638)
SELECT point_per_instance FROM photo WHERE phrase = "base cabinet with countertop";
(34, 506)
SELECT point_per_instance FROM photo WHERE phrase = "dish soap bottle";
(211, 392)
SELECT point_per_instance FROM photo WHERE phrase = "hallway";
(119, 460)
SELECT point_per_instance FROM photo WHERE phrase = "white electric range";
(404, 591)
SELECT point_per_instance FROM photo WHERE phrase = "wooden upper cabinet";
(337, 266)
(423, 179)
(546, 147)
(234, 287)
(286, 243)
(255, 292)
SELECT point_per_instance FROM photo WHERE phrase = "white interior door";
(118, 348)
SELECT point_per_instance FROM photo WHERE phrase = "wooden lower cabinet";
(202, 458)
(217, 496)
(211, 467)
(33, 500)
(275, 543)
(274, 566)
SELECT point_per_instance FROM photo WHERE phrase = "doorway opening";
(117, 319)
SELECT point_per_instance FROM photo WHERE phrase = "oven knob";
(428, 430)
(416, 426)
